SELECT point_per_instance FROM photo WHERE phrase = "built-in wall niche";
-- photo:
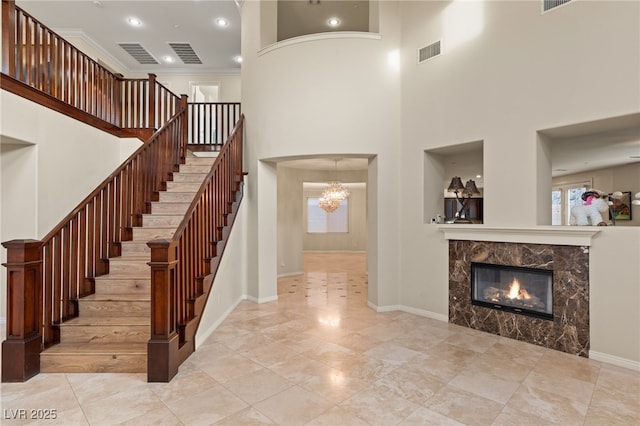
(605, 153)
(441, 166)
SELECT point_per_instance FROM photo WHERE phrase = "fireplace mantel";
(554, 235)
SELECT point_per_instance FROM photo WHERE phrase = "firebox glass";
(527, 291)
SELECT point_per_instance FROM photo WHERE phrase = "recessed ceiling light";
(168, 59)
(238, 59)
(333, 22)
(478, 176)
(134, 22)
(221, 22)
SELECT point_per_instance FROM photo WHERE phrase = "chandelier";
(333, 195)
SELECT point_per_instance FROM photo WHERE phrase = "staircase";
(112, 329)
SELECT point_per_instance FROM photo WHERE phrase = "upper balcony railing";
(39, 58)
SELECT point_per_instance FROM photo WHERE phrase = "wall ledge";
(319, 36)
(554, 235)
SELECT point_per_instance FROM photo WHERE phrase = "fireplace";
(525, 291)
(557, 275)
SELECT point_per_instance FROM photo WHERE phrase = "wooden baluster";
(162, 358)
(9, 37)
(152, 102)
(21, 350)
(184, 130)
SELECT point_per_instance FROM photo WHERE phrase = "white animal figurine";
(590, 213)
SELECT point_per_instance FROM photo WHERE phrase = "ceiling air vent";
(186, 53)
(550, 4)
(429, 51)
(138, 52)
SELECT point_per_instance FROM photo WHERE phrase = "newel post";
(152, 102)
(21, 350)
(184, 128)
(9, 37)
(162, 349)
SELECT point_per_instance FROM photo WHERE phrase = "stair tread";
(123, 277)
(110, 321)
(125, 297)
(132, 258)
(97, 348)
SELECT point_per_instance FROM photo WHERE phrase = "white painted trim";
(261, 300)
(290, 274)
(555, 235)
(205, 335)
(3, 320)
(409, 310)
(320, 36)
(614, 360)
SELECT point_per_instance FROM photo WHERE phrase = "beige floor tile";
(299, 369)
(574, 389)
(412, 382)
(337, 416)
(425, 417)
(207, 407)
(122, 406)
(162, 416)
(463, 406)
(335, 386)
(392, 353)
(294, 406)
(377, 406)
(511, 417)
(551, 407)
(257, 385)
(485, 385)
(247, 417)
(228, 367)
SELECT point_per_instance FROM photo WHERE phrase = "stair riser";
(132, 286)
(176, 197)
(183, 186)
(151, 221)
(194, 168)
(114, 309)
(135, 248)
(189, 161)
(148, 234)
(188, 177)
(91, 363)
(169, 208)
(119, 266)
(105, 334)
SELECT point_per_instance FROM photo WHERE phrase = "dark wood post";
(162, 349)
(9, 37)
(152, 102)
(21, 350)
(184, 129)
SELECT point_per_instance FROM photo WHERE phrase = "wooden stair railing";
(179, 265)
(67, 80)
(45, 278)
(210, 124)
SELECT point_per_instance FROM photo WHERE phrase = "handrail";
(179, 265)
(38, 57)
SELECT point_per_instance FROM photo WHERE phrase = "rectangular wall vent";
(186, 53)
(429, 51)
(139, 53)
(550, 4)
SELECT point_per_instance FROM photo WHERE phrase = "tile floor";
(320, 356)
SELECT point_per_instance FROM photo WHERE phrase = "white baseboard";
(409, 310)
(205, 335)
(614, 360)
(261, 300)
(290, 274)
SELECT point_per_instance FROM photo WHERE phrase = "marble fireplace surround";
(565, 250)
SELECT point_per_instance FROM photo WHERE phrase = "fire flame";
(515, 292)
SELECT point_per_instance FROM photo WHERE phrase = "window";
(321, 222)
(563, 197)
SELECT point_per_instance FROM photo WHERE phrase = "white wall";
(50, 163)
(229, 84)
(522, 71)
(230, 284)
